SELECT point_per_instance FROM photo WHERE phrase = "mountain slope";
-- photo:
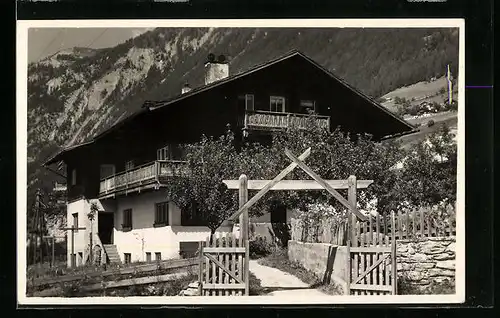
(78, 93)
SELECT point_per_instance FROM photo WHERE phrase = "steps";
(112, 254)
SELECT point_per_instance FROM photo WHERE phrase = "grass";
(279, 259)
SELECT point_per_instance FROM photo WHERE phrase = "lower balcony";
(140, 178)
(265, 120)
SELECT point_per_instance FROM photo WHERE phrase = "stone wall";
(421, 264)
(426, 262)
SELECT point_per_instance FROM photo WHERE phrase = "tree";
(429, 174)
(199, 190)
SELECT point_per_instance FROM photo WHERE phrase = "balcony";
(264, 120)
(140, 178)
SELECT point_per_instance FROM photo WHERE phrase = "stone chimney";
(186, 88)
(216, 69)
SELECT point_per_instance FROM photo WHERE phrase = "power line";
(98, 37)
(48, 45)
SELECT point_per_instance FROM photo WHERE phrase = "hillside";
(77, 93)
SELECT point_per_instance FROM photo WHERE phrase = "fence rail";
(167, 264)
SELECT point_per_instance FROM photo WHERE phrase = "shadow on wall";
(332, 252)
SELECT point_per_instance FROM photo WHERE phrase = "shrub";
(259, 248)
(430, 123)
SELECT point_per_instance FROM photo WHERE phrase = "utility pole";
(450, 84)
(72, 229)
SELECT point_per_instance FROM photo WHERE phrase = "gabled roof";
(149, 106)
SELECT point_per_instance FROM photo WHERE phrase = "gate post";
(394, 266)
(200, 270)
(351, 220)
(243, 198)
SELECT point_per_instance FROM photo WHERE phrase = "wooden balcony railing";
(142, 175)
(276, 120)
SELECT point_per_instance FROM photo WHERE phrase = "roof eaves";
(54, 158)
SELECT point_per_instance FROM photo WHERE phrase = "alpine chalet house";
(124, 169)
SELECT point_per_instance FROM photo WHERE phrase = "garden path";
(273, 278)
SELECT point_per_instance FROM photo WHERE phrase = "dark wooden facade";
(211, 109)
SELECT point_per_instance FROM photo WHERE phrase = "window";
(127, 258)
(158, 256)
(164, 153)
(249, 102)
(308, 105)
(161, 213)
(80, 258)
(148, 256)
(106, 170)
(277, 104)
(129, 165)
(73, 177)
(75, 220)
(127, 219)
(171, 152)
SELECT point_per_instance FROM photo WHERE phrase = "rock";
(191, 292)
(431, 247)
(449, 264)
(419, 257)
(433, 272)
(411, 250)
(194, 285)
(181, 293)
(426, 265)
(451, 247)
(423, 282)
(443, 257)
(416, 276)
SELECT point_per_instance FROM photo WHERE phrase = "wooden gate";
(223, 267)
(371, 253)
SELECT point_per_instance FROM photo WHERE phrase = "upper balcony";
(266, 120)
(140, 178)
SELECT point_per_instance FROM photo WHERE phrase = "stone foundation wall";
(426, 262)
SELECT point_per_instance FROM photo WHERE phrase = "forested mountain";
(74, 94)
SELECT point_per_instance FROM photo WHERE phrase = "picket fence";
(413, 224)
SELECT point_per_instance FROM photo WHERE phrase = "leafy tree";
(199, 189)
(429, 173)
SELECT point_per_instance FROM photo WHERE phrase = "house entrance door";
(105, 227)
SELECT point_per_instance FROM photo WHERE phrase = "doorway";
(105, 227)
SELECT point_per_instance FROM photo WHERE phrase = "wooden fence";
(324, 231)
(424, 223)
(371, 252)
(413, 224)
(223, 266)
(163, 265)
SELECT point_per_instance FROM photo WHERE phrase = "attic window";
(249, 102)
(277, 104)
